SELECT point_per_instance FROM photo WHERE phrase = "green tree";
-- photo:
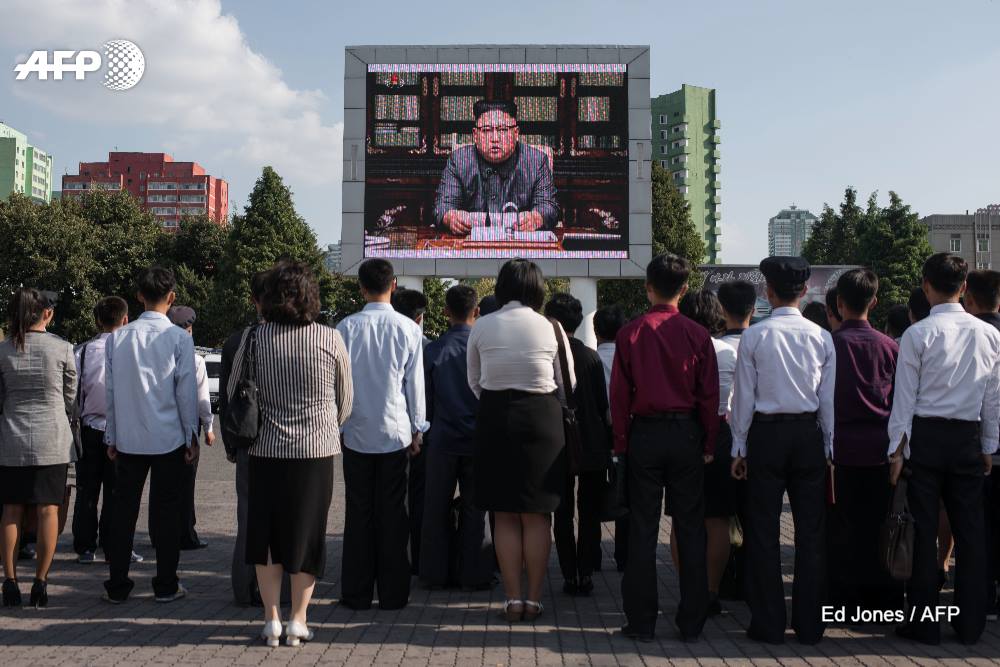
(673, 231)
(435, 323)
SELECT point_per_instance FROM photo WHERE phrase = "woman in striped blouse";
(305, 394)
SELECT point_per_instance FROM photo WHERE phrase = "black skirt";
(33, 485)
(289, 500)
(519, 461)
(720, 487)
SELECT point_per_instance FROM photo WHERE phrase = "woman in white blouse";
(520, 466)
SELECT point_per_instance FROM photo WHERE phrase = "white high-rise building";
(788, 231)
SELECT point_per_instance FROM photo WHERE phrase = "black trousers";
(95, 474)
(785, 456)
(856, 575)
(376, 530)
(991, 505)
(577, 553)
(465, 558)
(946, 464)
(166, 472)
(666, 453)
(416, 476)
(621, 543)
(189, 536)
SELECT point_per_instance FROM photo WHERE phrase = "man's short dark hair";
(291, 294)
(704, 308)
(409, 302)
(857, 288)
(109, 311)
(945, 272)
(918, 305)
(608, 321)
(485, 106)
(738, 298)
(831, 304)
(565, 309)
(815, 312)
(667, 274)
(155, 283)
(787, 291)
(376, 275)
(461, 301)
(984, 286)
(897, 320)
(488, 305)
(520, 280)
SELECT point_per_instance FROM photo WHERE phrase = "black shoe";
(912, 633)
(644, 636)
(586, 586)
(11, 593)
(192, 546)
(26, 552)
(714, 607)
(39, 594)
(570, 587)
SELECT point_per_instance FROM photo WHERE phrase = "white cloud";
(203, 83)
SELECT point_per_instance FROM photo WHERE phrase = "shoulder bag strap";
(564, 365)
(79, 379)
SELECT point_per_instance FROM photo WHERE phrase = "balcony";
(678, 150)
(716, 200)
(716, 139)
(716, 124)
(717, 215)
(716, 169)
(716, 154)
(716, 184)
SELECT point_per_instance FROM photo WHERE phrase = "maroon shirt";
(862, 398)
(664, 362)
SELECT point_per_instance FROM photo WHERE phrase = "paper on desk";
(497, 219)
(500, 235)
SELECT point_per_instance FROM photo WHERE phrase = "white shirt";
(387, 365)
(515, 348)
(732, 339)
(949, 366)
(786, 365)
(152, 392)
(725, 355)
(205, 416)
(94, 395)
(606, 351)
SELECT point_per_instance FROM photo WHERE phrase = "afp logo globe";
(124, 64)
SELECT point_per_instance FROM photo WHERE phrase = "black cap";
(785, 270)
(182, 316)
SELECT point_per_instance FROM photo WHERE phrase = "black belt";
(945, 420)
(665, 417)
(785, 417)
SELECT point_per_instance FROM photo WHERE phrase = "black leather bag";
(897, 534)
(241, 420)
(614, 503)
(574, 443)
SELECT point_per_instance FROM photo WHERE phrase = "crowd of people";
(463, 456)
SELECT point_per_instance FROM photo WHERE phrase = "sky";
(813, 97)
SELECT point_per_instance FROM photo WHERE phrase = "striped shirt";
(305, 390)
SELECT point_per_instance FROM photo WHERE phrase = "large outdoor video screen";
(495, 161)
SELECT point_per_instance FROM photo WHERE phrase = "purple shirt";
(866, 368)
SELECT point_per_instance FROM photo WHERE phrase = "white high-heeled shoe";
(271, 634)
(297, 632)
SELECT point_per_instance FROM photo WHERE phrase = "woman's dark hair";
(704, 308)
(257, 283)
(26, 309)
(831, 304)
(565, 309)
(461, 301)
(109, 311)
(897, 320)
(608, 320)
(667, 274)
(291, 294)
(738, 298)
(376, 275)
(945, 272)
(857, 288)
(520, 280)
(918, 305)
(815, 312)
(155, 283)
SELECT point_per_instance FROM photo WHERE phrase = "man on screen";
(482, 185)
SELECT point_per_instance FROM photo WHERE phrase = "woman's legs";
(509, 548)
(48, 535)
(717, 551)
(269, 582)
(537, 543)
(11, 524)
(302, 591)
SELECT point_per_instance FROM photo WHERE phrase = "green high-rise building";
(23, 168)
(686, 142)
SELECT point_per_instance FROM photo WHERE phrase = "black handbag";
(76, 419)
(241, 420)
(897, 534)
(574, 443)
(614, 503)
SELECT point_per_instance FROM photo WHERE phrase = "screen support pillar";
(585, 289)
(410, 282)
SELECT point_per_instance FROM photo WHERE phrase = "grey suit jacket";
(37, 392)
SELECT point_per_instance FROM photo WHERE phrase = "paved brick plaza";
(438, 628)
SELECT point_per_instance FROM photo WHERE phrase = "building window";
(983, 245)
(663, 134)
(956, 245)
(158, 185)
(663, 119)
(663, 163)
(191, 186)
(663, 149)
